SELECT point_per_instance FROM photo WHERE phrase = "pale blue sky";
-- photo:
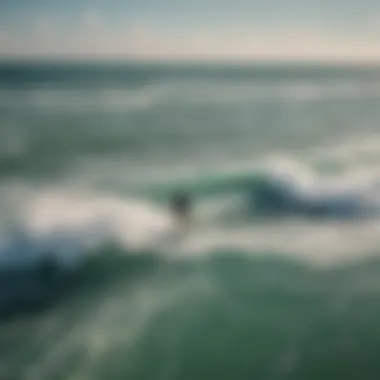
(194, 29)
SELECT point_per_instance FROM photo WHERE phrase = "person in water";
(181, 206)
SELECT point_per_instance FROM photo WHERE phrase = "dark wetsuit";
(180, 205)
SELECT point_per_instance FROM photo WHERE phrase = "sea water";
(278, 274)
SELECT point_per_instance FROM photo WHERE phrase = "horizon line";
(198, 62)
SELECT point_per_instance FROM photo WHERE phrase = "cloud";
(92, 36)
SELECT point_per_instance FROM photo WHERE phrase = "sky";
(226, 30)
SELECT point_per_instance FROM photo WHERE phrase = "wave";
(42, 283)
(284, 196)
(287, 187)
(63, 233)
(64, 242)
(67, 221)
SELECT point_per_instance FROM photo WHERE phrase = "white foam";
(319, 242)
(315, 243)
(131, 221)
(65, 223)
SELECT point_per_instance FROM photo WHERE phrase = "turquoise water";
(278, 276)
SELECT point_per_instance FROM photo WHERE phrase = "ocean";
(278, 273)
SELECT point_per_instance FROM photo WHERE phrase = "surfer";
(180, 205)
